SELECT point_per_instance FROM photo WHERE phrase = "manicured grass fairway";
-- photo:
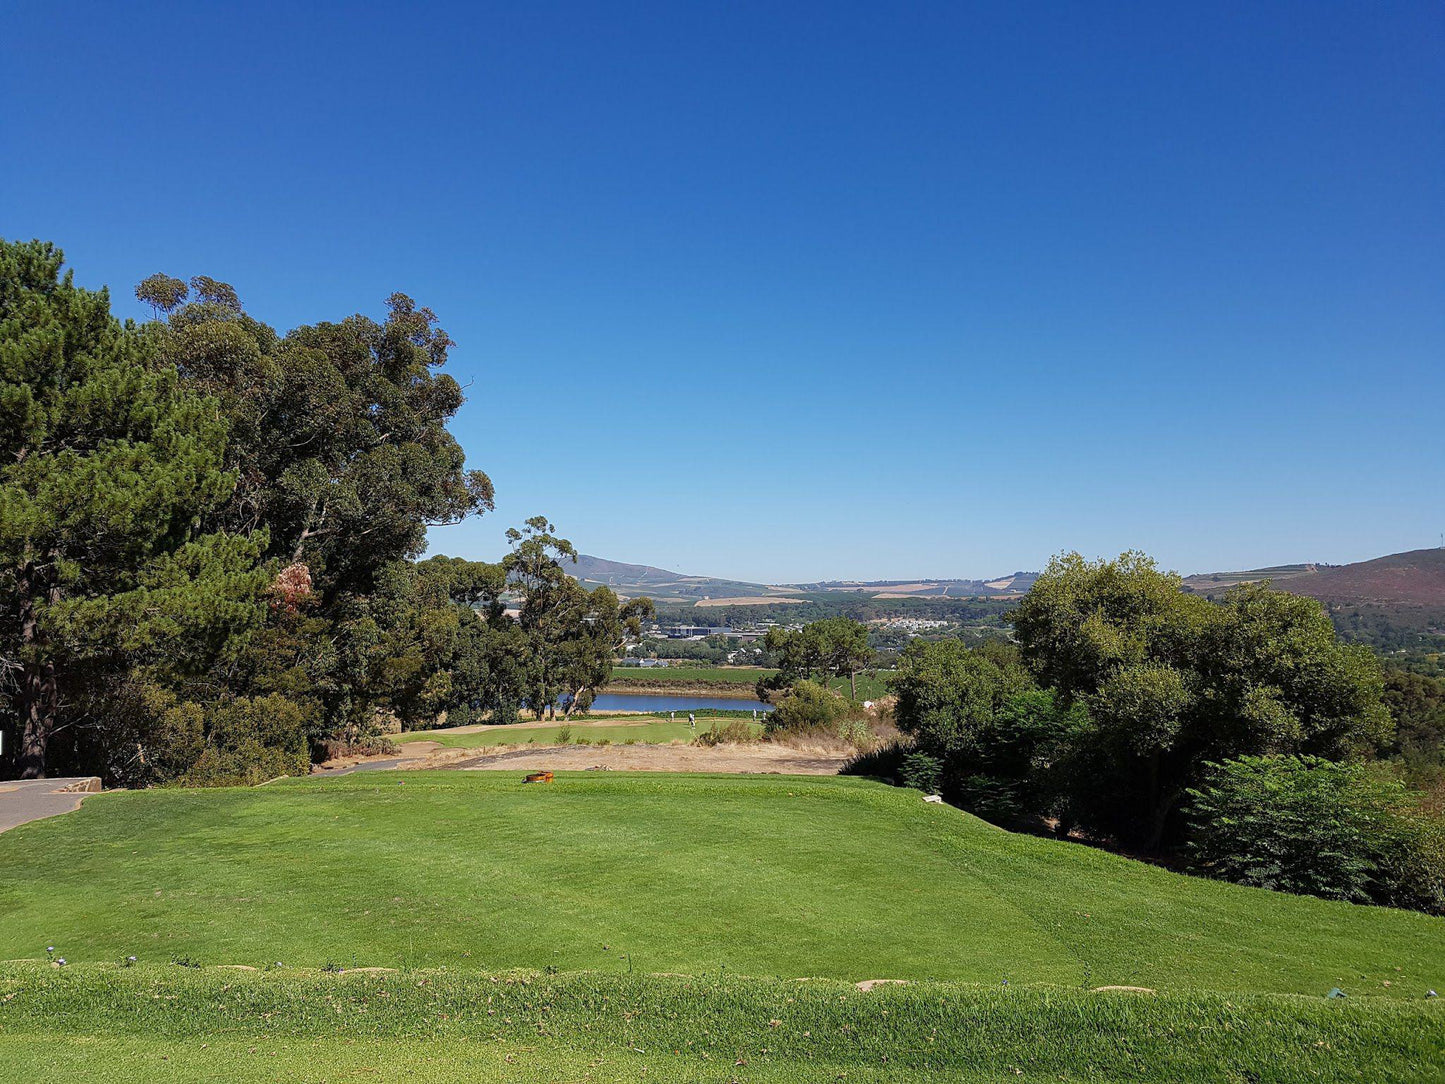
(651, 731)
(765, 876)
(154, 1023)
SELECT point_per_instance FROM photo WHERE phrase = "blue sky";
(789, 291)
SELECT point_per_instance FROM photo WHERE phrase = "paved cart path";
(23, 800)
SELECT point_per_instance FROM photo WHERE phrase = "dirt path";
(762, 757)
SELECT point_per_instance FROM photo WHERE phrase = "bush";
(1319, 828)
(885, 762)
(733, 732)
(992, 739)
(249, 741)
(807, 706)
(922, 772)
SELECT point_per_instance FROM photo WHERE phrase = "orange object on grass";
(539, 777)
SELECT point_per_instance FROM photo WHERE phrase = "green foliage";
(833, 647)
(1172, 680)
(569, 635)
(1313, 826)
(109, 467)
(729, 732)
(921, 771)
(338, 431)
(246, 741)
(1417, 705)
(976, 714)
(807, 706)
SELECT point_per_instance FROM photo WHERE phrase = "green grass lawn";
(171, 1024)
(765, 876)
(597, 883)
(585, 729)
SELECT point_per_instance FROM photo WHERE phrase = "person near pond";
(692, 720)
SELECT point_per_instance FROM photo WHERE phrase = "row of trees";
(208, 534)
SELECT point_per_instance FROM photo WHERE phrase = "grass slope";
(765, 876)
(103, 1023)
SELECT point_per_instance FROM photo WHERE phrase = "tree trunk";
(1161, 804)
(39, 699)
(853, 684)
(38, 703)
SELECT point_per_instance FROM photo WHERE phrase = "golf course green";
(639, 921)
(767, 876)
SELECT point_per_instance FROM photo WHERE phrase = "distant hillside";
(657, 583)
(1016, 583)
(663, 585)
(1415, 578)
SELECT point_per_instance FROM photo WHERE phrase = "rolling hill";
(1413, 578)
(666, 586)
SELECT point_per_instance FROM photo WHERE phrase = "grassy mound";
(764, 876)
(104, 1023)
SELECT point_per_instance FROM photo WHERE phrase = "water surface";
(674, 702)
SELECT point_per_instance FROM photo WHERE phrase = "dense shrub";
(921, 771)
(248, 741)
(807, 706)
(1303, 824)
(986, 737)
(883, 762)
(1172, 681)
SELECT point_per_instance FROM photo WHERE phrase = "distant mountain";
(663, 585)
(657, 583)
(1414, 578)
(1016, 583)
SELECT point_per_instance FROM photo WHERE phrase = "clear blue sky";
(783, 291)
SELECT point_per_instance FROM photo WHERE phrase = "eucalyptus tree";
(572, 635)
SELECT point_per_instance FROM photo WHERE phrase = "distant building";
(694, 632)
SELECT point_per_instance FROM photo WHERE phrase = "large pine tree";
(108, 464)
